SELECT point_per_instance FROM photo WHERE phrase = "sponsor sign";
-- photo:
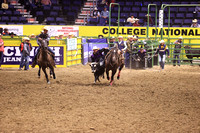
(18, 30)
(140, 31)
(72, 44)
(12, 55)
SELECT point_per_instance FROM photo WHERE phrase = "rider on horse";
(43, 36)
(99, 55)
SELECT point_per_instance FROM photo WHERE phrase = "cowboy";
(129, 43)
(146, 20)
(177, 50)
(70, 35)
(121, 44)
(25, 48)
(161, 50)
(98, 55)
(195, 24)
(32, 36)
(5, 32)
(112, 41)
(43, 36)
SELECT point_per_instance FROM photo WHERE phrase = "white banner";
(161, 18)
(18, 30)
(72, 44)
(65, 30)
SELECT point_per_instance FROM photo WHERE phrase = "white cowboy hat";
(120, 37)
(61, 34)
(148, 15)
(70, 34)
(0, 34)
(95, 8)
(135, 37)
(95, 47)
(162, 41)
(180, 38)
(26, 38)
(112, 37)
(194, 21)
(45, 28)
(136, 19)
(129, 36)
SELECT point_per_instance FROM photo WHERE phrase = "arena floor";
(141, 101)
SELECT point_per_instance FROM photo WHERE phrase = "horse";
(45, 60)
(114, 60)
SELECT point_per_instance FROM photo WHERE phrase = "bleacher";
(180, 16)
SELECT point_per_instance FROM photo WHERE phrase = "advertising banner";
(140, 31)
(18, 30)
(72, 44)
(12, 55)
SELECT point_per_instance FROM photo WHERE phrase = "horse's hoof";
(54, 77)
(118, 77)
(48, 82)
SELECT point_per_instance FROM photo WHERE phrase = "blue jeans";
(176, 55)
(1, 57)
(24, 61)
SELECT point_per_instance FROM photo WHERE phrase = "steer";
(97, 70)
(190, 51)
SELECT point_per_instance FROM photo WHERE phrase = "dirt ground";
(141, 101)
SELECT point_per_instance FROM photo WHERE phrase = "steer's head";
(93, 67)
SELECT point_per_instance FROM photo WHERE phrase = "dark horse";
(114, 60)
(45, 60)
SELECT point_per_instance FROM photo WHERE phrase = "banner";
(84, 51)
(140, 31)
(71, 44)
(12, 55)
(52, 30)
(18, 30)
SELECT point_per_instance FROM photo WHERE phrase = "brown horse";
(45, 60)
(113, 61)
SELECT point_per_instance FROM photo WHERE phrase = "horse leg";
(112, 77)
(44, 70)
(52, 72)
(107, 73)
(39, 71)
(120, 68)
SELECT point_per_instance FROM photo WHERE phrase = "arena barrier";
(66, 54)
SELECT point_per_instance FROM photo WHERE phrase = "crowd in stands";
(134, 13)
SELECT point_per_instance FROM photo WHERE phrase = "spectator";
(105, 15)
(56, 36)
(60, 36)
(1, 50)
(70, 35)
(195, 24)
(5, 32)
(131, 20)
(146, 20)
(96, 14)
(100, 36)
(177, 50)
(112, 40)
(46, 2)
(25, 48)
(32, 36)
(121, 44)
(12, 35)
(128, 53)
(136, 22)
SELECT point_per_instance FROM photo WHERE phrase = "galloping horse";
(45, 60)
(113, 61)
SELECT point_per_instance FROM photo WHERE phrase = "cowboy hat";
(26, 38)
(45, 28)
(136, 19)
(70, 34)
(129, 36)
(120, 37)
(95, 47)
(162, 41)
(112, 37)
(135, 37)
(194, 21)
(180, 38)
(32, 35)
(95, 8)
(148, 15)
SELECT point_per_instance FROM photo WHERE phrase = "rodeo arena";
(105, 66)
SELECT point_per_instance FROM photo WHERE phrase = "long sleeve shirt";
(162, 49)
